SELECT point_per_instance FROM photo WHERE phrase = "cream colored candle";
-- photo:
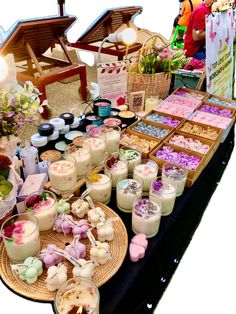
(150, 103)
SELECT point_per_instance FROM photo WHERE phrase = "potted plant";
(18, 105)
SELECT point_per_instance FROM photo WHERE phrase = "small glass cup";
(20, 234)
(132, 156)
(117, 168)
(127, 190)
(147, 171)
(111, 135)
(77, 295)
(62, 173)
(166, 192)
(97, 148)
(42, 205)
(100, 186)
(82, 159)
(146, 216)
(174, 173)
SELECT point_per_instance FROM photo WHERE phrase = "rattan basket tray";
(38, 291)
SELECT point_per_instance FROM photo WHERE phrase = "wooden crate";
(205, 102)
(180, 119)
(155, 124)
(232, 103)
(212, 145)
(204, 126)
(191, 91)
(192, 175)
(141, 136)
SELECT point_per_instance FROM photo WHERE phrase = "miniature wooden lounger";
(29, 40)
(108, 22)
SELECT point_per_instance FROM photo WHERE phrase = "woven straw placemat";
(38, 291)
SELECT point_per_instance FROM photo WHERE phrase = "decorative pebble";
(221, 102)
(179, 158)
(151, 130)
(215, 110)
(189, 143)
(137, 143)
(206, 132)
(163, 119)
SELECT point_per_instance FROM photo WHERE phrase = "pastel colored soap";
(138, 247)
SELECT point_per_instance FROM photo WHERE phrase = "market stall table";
(137, 284)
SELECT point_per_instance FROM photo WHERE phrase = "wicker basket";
(157, 84)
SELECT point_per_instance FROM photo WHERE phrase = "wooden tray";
(38, 291)
(227, 100)
(181, 120)
(141, 136)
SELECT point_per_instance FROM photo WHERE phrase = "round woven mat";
(38, 291)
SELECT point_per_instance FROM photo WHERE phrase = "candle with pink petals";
(146, 171)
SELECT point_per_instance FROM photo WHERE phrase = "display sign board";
(220, 30)
(112, 81)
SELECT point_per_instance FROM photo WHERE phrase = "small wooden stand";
(29, 41)
(108, 23)
(65, 194)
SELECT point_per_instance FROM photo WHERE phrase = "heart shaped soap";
(138, 247)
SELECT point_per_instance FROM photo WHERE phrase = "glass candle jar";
(166, 192)
(117, 168)
(100, 186)
(111, 135)
(62, 173)
(77, 295)
(132, 156)
(147, 171)
(20, 234)
(173, 173)
(146, 216)
(127, 190)
(97, 148)
(82, 159)
(43, 206)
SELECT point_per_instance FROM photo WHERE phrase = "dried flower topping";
(93, 177)
(156, 186)
(5, 161)
(71, 149)
(111, 162)
(146, 208)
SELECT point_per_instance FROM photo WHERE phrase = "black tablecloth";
(137, 285)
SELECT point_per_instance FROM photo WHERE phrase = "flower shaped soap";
(105, 231)
(63, 224)
(80, 228)
(80, 207)
(100, 252)
(84, 268)
(63, 207)
(96, 215)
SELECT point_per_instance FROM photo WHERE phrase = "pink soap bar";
(211, 119)
(138, 247)
(183, 101)
(177, 110)
(33, 183)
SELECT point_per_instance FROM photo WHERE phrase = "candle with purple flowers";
(146, 216)
(166, 192)
(174, 173)
(127, 190)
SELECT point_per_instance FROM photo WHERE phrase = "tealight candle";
(21, 237)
